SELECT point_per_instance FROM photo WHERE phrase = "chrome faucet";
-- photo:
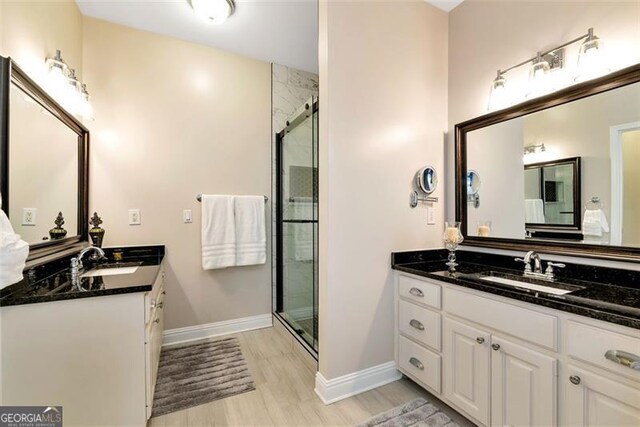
(76, 263)
(536, 271)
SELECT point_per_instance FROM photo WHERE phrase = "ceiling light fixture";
(213, 11)
(533, 149)
(590, 65)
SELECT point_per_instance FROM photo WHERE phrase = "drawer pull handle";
(625, 359)
(575, 379)
(495, 347)
(157, 320)
(418, 364)
(480, 340)
(416, 324)
(416, 292)
(161, 305)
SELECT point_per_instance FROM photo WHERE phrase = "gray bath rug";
(417, 413)
(193, 374)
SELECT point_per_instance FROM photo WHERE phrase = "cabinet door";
(523, 386)
(593, 400)
(467, 368)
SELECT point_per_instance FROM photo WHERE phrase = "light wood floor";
(285, 394)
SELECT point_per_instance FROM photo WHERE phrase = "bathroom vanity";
(93, 349)
(507, 355)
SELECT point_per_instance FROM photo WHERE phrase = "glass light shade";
(498, 96)
(86, 109)
(591, 61)
(213, 11)
(539, 79)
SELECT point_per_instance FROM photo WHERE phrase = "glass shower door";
(297, 221)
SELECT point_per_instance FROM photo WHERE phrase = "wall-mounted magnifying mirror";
(426, 182)
(427, 179)
(473, 186)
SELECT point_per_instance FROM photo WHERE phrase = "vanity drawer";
(419, 291)
(420, 324)
(529, 325)
(154, 295)
(591, 344)
(421, 363)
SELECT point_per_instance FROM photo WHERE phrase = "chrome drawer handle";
(418, 364)
(575, 379)
(157, 320)
(416, 292)
(495, 347)
(161, 305)
(625, 359)
(416, 324)
(480, 340)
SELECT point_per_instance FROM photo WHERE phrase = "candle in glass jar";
(452, 234)
(484, 230)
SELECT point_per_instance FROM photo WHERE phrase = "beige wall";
(383, 74)
(486, 35)
(174, 119)
(30, 31)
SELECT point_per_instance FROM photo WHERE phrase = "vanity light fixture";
(533, 149)
(590, 65)
(63, 85)
(213, 11)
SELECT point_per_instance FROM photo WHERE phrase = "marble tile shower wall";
(290, 89)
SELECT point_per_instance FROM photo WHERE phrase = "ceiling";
(446, 5)
(280, 31)
(284, 32)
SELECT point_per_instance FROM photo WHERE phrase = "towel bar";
(199, 198)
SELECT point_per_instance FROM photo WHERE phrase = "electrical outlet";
(431, 215)
(29, 216)
(134, 217)
(186, 216)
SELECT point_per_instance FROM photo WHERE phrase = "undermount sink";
(112, 271)
(527, 284)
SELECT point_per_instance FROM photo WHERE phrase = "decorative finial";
(59, 221)
(95, 220)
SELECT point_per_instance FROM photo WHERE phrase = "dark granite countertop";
(51, 281)
(611, 295)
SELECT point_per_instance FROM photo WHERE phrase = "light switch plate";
(187, 217)
(29, 216)
(134, 217)
(431, 215)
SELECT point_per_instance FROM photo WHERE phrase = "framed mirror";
(542, 159)
(43, 165)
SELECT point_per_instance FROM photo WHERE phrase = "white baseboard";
(209, 330)
(336, 389)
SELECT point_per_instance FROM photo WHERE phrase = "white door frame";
(615, 137)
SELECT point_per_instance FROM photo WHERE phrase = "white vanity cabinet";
(95, 356)
(505, 362)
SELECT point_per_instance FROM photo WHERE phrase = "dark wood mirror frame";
(11, 73)
(611, 81)
(577, 193)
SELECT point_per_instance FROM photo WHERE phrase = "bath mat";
(197, 373)
(417, 413)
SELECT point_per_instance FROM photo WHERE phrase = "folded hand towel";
(13, 253)
(534, 211)
(594, 223)
(218, 232)
(251, 240)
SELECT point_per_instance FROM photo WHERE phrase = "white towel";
(534, 211)
(218, 232)
(303, 232)
(251, 236)
(594, 223)
(13, 253)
